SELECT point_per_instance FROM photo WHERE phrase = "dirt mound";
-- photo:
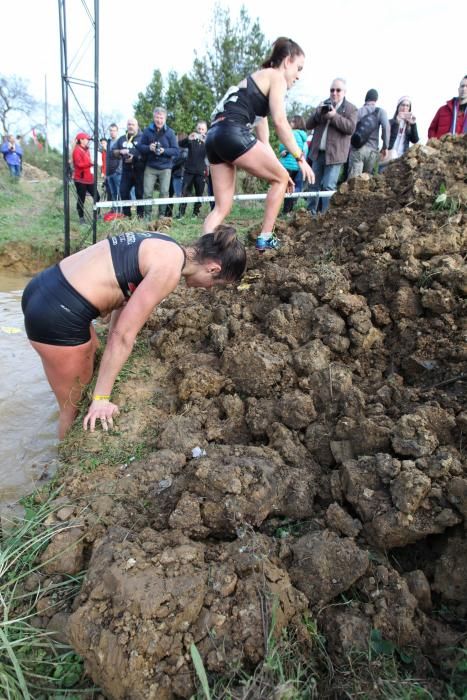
(30, 172)
(325, 400)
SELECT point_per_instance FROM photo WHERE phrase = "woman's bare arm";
(131, 319)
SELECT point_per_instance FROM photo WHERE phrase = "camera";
(326, 108)
(158, 148)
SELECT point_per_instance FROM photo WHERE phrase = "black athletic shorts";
(227, 140)
(54, 312)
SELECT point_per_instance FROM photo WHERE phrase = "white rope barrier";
(193, 200)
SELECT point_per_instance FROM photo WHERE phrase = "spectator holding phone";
(403, 128)
(13, 155)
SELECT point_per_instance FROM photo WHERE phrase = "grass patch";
(243, 216)
(295, 667)
(51, 162)
(33, 665)
(111, 448)
(298, 667)
(32, 213)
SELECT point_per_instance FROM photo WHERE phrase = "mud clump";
(148, 598)
(326, 393)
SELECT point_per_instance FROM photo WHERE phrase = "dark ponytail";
(282, 48)
(224, 247)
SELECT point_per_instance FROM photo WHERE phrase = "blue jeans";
(15, 170)
(113, 183)
(177, 184)
(326, 177)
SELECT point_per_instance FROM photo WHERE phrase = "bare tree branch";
(14, 99)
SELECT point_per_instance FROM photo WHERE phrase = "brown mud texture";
(325, 397)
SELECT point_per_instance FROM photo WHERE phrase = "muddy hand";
(102, 411)
(290, 186)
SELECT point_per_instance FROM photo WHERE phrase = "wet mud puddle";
(28, 411)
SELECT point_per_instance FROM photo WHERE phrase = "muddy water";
(28, 412)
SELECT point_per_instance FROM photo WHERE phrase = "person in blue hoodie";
(158, 145)
(13, 155)
(289, 162)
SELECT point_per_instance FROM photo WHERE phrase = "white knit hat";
(404, 98)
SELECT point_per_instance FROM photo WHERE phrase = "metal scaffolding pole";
(67, 81)
(96, 114)
(65, 125)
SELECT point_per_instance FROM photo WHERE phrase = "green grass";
(243, 216)
(298, 667)
(32, 213)
(33, 665)
(114, 448)
(51, 162)
(294, 668)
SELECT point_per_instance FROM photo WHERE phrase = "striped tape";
(194, 200)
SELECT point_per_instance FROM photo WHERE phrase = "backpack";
(364, 127)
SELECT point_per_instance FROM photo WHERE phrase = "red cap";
(82, 135)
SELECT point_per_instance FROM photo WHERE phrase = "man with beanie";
(451, 118)
(365, 158)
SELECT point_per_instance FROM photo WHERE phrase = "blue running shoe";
(263, 244)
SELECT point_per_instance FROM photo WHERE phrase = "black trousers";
(191, 180)
(132, 177)
(81, 189)
(290, 203)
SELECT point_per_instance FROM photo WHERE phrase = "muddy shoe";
(271, 243)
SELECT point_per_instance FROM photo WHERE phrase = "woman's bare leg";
(223, 185)
(68, 370)
(261, 162)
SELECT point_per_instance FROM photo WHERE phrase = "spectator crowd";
(340, 141)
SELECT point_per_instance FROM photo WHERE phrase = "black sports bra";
(124, 249)
(243, 103)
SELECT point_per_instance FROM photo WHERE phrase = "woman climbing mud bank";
(128, 275)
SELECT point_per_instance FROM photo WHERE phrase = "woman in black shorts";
(128, 275)
(230, 142)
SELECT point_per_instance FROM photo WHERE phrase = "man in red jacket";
(451, 118)
(83, 173)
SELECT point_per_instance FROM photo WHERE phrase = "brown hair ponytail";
(223, 246)
(282, 48)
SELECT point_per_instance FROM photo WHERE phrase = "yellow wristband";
(99, 397)
(297, 155)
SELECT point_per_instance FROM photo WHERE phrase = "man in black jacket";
(113, 166)
(158, 145)
(126, 148)
(195, 165)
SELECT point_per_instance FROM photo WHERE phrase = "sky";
(414, 48)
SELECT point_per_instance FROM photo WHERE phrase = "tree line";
(234, 48)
